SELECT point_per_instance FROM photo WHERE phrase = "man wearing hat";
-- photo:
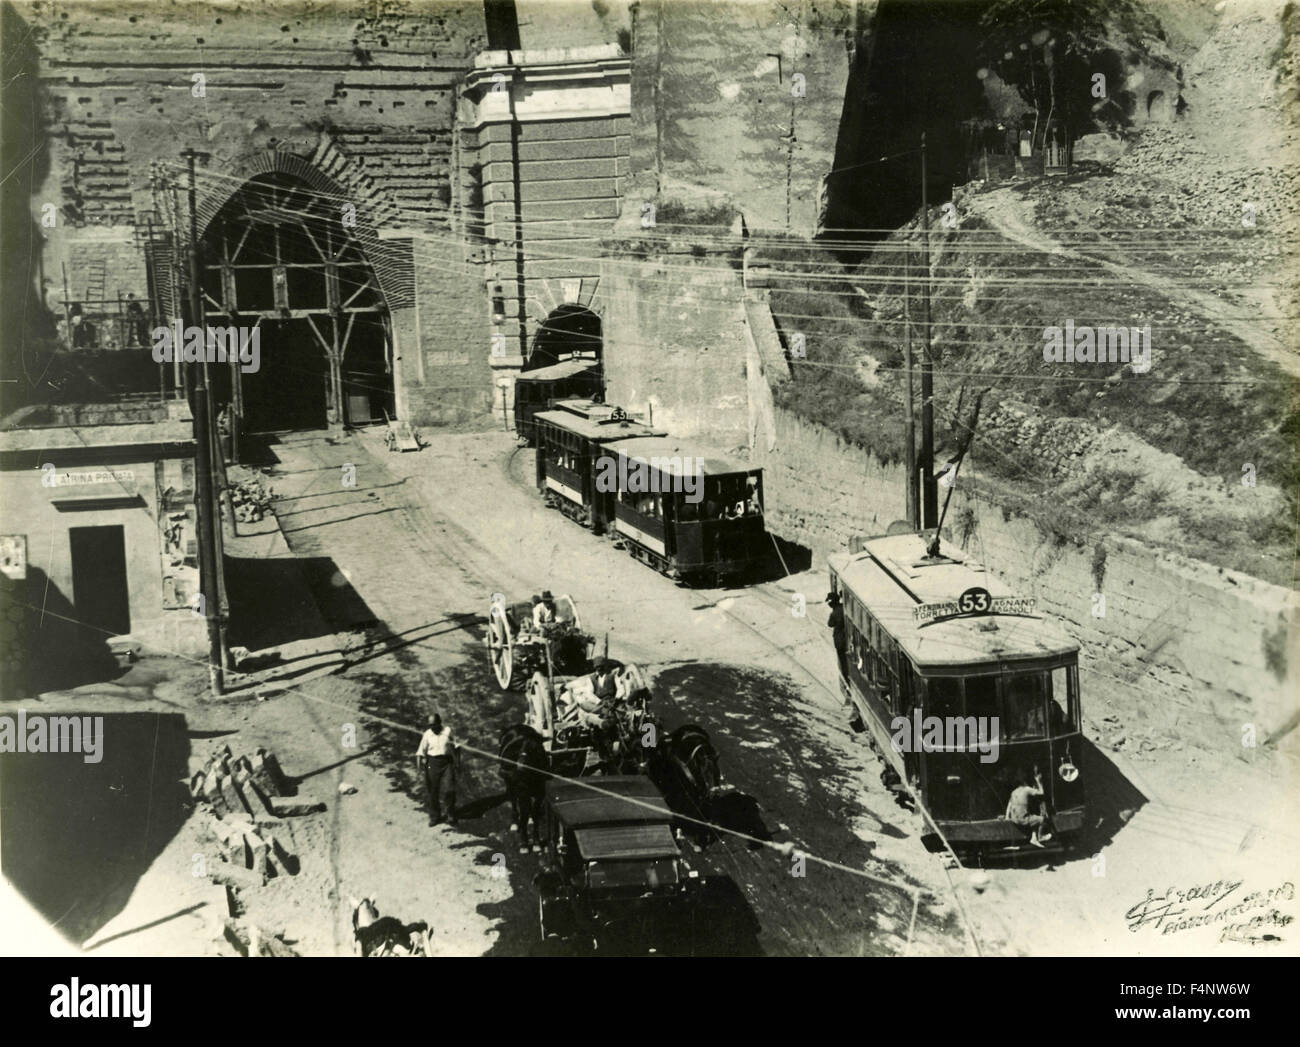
(544, 612)
(605, 684)
(839, 632)
(438, 756)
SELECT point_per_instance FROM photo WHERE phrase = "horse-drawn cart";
(517, 648)
(581, 731)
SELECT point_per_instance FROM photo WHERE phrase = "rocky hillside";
(1200, 452)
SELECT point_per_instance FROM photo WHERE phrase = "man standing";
(438, 756)
(839, 634)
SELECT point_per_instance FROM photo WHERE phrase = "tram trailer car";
(940, 637)
(537, 390)
(694, 517)
(569, 439)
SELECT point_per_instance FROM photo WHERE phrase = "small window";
(1061, 706)
(982, 696)
(944, 697)
(1024, 710)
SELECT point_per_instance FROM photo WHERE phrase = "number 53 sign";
(971, 602)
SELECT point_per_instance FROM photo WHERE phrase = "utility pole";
(929, 489)
(205, 503)
(909, 421)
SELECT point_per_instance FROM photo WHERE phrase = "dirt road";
(402, 565)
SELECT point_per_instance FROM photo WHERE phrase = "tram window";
(982, 696)
(1059, 708)
(944, 697)
(687, 511)
(1024, 711)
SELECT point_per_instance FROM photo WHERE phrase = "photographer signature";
(1214, 904)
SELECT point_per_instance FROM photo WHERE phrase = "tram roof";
(564, 369)
(596, 427)
(892, 576)
(710, 463)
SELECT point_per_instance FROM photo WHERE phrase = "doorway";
(99, 585)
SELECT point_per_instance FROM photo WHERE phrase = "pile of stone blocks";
(249, 807)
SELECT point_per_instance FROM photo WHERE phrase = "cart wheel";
(539, 697)
(500, 646)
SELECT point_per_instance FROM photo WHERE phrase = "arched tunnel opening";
(277, 257)
(569, 331)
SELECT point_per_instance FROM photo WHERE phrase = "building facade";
(101, 539)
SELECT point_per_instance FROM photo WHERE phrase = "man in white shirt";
(435, 758)
(544, 611)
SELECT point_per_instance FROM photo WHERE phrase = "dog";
(375, 935)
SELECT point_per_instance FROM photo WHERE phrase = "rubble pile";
(250, 500)
(249, 804)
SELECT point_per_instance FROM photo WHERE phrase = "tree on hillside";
(1049, 50)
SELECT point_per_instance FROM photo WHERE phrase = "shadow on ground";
(76, 837)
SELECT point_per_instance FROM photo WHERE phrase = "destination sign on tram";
(973, 602)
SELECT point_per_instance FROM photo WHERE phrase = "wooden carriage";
(580, 732)
(516, 648)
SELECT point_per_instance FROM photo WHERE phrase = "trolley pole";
(205, 502)
(909, 419)
(929, 489)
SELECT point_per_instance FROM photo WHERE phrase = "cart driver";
(606, 691)
(605, 681)
(544, 611)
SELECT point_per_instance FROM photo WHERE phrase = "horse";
(689, 769)
(524, 765)
(375, 935)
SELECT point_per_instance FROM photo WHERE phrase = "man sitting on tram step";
(544, 610)
(1025, 808)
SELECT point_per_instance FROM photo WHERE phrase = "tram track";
(439, 533)
(411, 527)
(720, 600)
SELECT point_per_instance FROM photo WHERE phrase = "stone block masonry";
(741, 100)
(357, 97)
(247, 816)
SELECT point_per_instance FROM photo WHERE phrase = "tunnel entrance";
(568, 332)
(281, 257)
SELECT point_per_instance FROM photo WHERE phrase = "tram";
(569, 440)
(538, 389)
(967, 691)
(688, 512)
(694, 516)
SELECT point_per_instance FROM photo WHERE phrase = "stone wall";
(740, 101)
(1177, 634)
(362, 92)
(675, 335)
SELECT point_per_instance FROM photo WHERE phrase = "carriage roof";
(564, 369)
(595, 427)
(612, 800)
(704, 460)
(892, 576)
